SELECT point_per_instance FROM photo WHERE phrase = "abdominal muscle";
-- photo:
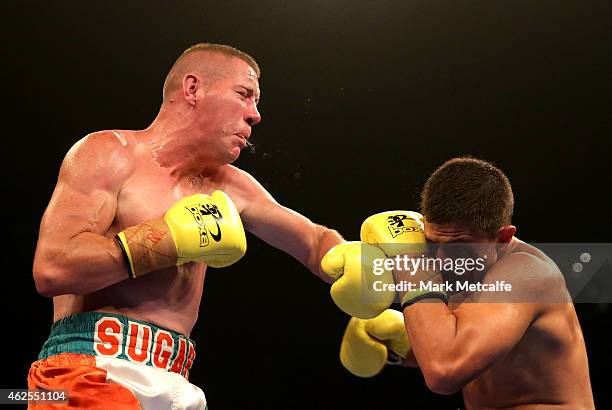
(168, 298)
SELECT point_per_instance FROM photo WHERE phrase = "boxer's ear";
(191, 83)
(505, 234)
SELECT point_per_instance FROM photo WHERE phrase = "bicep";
(486, 332)
(74, 209)
(476, 334)
(497, 319)
(85, 197)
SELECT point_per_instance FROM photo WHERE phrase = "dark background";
(361, 100)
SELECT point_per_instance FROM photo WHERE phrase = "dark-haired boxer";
(134, 221)
(515, 346)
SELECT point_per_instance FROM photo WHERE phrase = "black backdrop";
(360, 101)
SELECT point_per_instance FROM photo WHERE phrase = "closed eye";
(246, 92)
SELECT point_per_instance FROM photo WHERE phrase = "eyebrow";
(251, 91)
(457, 239)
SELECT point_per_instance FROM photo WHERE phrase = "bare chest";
(539, 369)
(148, 195)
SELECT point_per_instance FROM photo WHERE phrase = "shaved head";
(206, 60)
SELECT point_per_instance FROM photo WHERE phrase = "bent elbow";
(442, 386)
(46, 279)
(443, 380)
(44, 285)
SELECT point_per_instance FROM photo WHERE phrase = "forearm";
(435, 338)
(81, 265)
(325, 239)
(429, 341)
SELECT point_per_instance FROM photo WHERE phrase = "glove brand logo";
(199, 212)
(397, 226)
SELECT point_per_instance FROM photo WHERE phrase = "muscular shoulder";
(529, 264)
(248, 195)
(524, 261)
(533, 278)
(100, 158)
(244, 184)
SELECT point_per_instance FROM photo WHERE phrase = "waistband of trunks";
(117, 336)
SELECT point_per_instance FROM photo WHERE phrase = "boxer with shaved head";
(132, 225)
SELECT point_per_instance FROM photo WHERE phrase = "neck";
(174, 147)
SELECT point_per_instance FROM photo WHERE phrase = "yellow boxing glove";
(400, 233)
(197, 228)
(359, 289)
(367, 345)
(395, 232)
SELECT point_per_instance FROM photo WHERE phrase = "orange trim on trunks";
(85, 383)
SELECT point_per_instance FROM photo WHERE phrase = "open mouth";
(244, 140)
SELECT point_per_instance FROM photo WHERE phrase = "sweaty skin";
(111, 180)
(523, 350)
